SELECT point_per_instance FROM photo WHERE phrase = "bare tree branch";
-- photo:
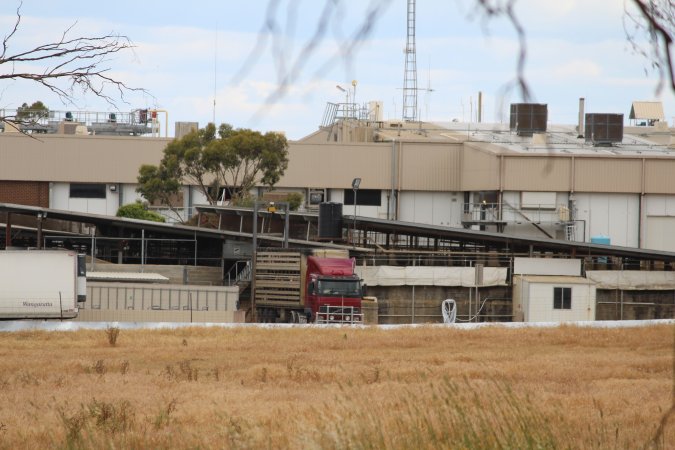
(290, 69)
(492, 9)
(69, 63)
(13, 32)
(656, 21)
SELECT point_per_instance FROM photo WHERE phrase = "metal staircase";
(240, 275)
(570, 231)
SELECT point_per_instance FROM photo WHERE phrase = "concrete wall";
(398, 304)
(101, 315)
(615, 304)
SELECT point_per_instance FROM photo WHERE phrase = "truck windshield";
(339, 288)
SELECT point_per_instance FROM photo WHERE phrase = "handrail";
(237, 273)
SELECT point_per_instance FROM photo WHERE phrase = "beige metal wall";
(420, 166)
(430, 167)
(539, 173)
(335, 165)
(659, 176)
(71, 158)
(480, 170)
(608, 175)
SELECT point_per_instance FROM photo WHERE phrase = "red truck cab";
(333, 292)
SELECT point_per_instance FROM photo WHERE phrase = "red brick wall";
(31, 193)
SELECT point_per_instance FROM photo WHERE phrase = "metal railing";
(347, 110)
(138, 121)
(503, 212)
(173, 215)
(239, 272)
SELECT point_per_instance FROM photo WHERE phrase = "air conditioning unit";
(603, 129)
(528, 118)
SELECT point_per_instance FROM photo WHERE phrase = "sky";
(186, 54)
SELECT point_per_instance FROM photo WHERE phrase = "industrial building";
(463, 196)
(546, 181)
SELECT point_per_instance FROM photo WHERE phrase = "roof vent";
(603, 129)
(528, 118)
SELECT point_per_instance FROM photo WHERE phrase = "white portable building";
(538, 298)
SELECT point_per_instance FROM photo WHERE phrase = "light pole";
(356, 182)
(346, 92)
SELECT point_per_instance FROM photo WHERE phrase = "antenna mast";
(410, 75)
(215, 75)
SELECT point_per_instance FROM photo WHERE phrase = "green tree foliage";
(232, 159)
(294, 200)
(158, 184)
(32, 113)
(137, 211)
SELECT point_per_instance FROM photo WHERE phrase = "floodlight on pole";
(346, 92)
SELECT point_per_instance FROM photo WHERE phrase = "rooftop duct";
(580, 128)
(603, 129)
(528, 118)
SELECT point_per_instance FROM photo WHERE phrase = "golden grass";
(426, 387)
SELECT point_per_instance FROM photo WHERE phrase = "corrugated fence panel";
(160, 297)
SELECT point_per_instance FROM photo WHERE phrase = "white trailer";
(41, 284)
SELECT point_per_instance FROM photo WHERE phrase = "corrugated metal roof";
(127, 276)
(647, 110)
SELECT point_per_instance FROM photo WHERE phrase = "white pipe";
(166, 119)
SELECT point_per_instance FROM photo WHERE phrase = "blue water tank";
(600, 240)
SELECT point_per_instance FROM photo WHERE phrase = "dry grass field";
(425, 387)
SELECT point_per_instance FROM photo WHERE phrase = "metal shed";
(538, 298)
(647, 111)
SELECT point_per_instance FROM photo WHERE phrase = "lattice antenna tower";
(410, 75)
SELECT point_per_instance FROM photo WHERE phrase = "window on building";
(364, 197)
(225, 193)
(562, 298)
(87, 190)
